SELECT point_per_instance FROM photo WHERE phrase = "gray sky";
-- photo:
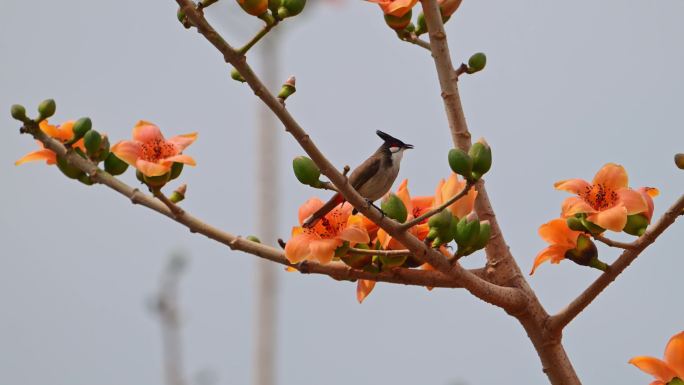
(568, 87)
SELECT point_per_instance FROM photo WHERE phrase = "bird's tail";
(320, 213)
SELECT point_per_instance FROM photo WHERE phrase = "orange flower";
(62, 133)
(320, 241)
(449, 188)
(664, 371)
(561, 238)
(606, 200)
(648, 193)
(448, 7)
(396, 8)
(150, 153)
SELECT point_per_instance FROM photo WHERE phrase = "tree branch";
(560, 320)
(612, 243)
(505, 297)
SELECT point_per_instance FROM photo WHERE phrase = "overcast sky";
(568, 87)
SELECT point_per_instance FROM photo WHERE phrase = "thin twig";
(175, 209)
(262, 32)
(461, 194)
(612, 243)
(388, 253)
(560, 320)
(411, 37)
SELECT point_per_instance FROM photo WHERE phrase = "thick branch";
(507, 298)
(560, 320)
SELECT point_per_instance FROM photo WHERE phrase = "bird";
(372, 179)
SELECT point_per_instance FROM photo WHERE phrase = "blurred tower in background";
(268, 153)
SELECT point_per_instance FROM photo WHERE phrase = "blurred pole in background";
(268, 154)
(167, 308)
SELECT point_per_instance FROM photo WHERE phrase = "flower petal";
(612, 176)
(633, 201)
(297, 248)
(403, 194)
(363, 289)
(355, 234)
(575, 205)
(183, 141)
(323, 250)
(180, 159)
(557, 232)
(127, 151)
(575, 186)
(674, 354)
(145, 132)
(553, 253)
(152, 169)
(309, 207)
(47, 155)
(614, 218)
(654, 367)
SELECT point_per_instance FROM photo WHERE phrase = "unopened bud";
(114, 165)
(46, 109)
(235, 75)
(585, 253)
(440, 228)
(92, 141)
(357, 261)
(273, 5)
(156, 182)
(289, 8)
(483, 236)
(398, 23)
(179, 194)
(394, 208)
(306, 171)
(421, 25)
(67, 169)
(19, 113)
(476, 63)
(251, 238)
(86, 180)
(679, 160)
(254, 7)
(389, 261)
(461, 163)
(481, 154)
(81, 127)
(288, 88)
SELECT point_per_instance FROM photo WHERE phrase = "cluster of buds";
(469, 233)
(471, 165)
(271, 10)
(78, 136)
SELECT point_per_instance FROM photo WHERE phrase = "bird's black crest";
(392, 141)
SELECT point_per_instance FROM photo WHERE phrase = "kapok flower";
(648, 193)
(320, 241)
(449, 188)
(62, 133)
(150, 153)
(607, 200)
(561, 239)
(397, 8)
(664, 371)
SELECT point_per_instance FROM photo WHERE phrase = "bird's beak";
(408, 146)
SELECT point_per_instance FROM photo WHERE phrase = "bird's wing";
(364, 172)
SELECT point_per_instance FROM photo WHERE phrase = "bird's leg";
(369, 205)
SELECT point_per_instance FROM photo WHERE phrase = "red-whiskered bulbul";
(373, 178)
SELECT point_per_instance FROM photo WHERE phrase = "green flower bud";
(81, 127)
(273, 5)
(358, 261)
(180, 15)
(679, 160)
(104, 150)
(467, 232)
(306, 171)
(585, 253)
(476, 63)
(575, 223)
(46, 109)
(481, 154)
(636, 224)
(176, 169)
(398, 23)
(179, 194)
(440, 228)
(67, 169)
(342, 250)
(253, 238)
(483, 236)
(235, 75)
(394, 208)
(460, 163)
(92, 141)
(421, 25)
(19, 113)
(676, 381)
(440, 220)
(156, 182)
(288, 88)
(389, 261)
(114, 165)
(291, 8)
